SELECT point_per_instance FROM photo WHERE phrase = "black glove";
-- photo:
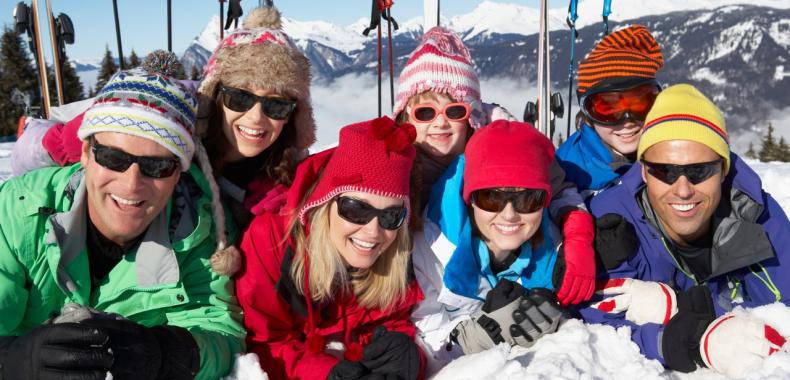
(392, 353)
(683, 332)
(67, 350)
(162, 352)
(538, 314)
(615, 240)
(347, 370)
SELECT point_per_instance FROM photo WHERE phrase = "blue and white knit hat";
(148, 105)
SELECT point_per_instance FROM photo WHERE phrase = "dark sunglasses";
(616, 106)
(120, 161)
(696, 173)
(359, 212)
(241, 101)
(426, 112)
(524, 201)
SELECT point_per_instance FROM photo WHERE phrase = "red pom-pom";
(315, 343)
(382, 127)
(353, 352)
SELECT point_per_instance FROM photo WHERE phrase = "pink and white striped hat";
(442, 64)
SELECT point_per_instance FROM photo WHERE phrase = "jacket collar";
(155, 260)
(739, 241)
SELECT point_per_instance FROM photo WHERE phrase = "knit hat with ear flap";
(260, 54)
(441, 64)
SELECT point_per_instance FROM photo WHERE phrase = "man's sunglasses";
(120, 161)
(426, 113)
(241, 101)
(359, 212)
(695, 173)
(615, 107)
(495, 200)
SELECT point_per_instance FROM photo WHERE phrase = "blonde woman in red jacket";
(327, 289)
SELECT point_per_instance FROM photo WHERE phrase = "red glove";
(733, 345)
(642, 301)
(578, 282)
(62, 143)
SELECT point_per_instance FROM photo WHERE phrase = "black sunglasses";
(120, 161)
(359, 212)
(495, 200)
(241, 101)
(696, 173)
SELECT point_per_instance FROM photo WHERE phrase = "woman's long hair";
(382, 286)
(279, 159)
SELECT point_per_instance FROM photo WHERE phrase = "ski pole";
(55, 54)
(42, 64)
(118, 34)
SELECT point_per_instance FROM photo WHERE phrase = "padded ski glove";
(615, 240)
(642, 301)
(392, 353)
(509, 315)
(162, 352)
(578, 281)
(734, 344)
(680, 342)
(347, 370)
(538, 314)
(67, 350)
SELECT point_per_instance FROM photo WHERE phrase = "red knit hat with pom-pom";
(373, 156)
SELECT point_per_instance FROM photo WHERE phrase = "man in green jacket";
(124, 238)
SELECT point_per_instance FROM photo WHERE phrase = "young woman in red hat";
(487, 258)
(327, 289)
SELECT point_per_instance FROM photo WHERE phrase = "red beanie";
(507, 154)
(373, 156)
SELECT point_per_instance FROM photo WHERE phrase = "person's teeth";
(125, 201)
(683, 207)
(253, 132)
(507, 228)
(363, 244)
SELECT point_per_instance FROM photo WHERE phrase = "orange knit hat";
(627, 53)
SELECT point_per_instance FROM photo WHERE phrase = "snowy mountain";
(739, 54)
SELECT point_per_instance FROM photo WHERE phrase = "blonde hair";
(381, 286)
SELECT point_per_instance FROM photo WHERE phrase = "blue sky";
(144, 22)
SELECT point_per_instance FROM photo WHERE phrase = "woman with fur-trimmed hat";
(487, 258)
(255, 119)
(326, 290)
(439, 93)
(616, 88)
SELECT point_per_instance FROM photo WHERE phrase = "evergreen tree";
(72, 87)
(768, 151)
(195, 74)
(108, 68)
(751, 153)
(783, 151)
(91, 92)
(134, 60)
(17, 73)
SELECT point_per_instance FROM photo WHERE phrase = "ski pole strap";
(375, 13)
(607, 10)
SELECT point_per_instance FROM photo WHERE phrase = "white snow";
(780, 32)
(745, 35)
(706, 74)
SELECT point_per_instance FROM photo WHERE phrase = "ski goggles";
(612, 107)
(274, 107)
(426, 113)
(495, 200)
(120, 161)
(360, 212)
(695, 173)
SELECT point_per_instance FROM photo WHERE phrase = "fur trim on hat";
(264, 17)
(278, 66)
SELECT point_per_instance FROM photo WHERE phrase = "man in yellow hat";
(688, 235)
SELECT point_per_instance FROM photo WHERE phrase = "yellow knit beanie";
(681, 112)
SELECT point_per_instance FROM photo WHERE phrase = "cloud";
(779, 118)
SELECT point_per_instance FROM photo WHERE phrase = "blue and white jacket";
(453, 267)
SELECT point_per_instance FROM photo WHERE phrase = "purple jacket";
(748, 250)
